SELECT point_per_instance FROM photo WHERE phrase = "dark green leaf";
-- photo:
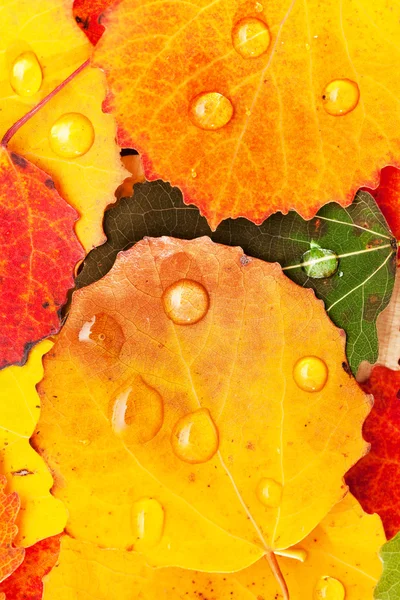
(360, 280)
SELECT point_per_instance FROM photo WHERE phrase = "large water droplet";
(147, 518)
(340, 97)
(103, 331)
(329, 588)
(210, 111)
(320, 262)
(194, 438)
(269, 492)
(137, 413)
(26, 74)
(251, 37)
(185, 302)
(72, 135)
(310, 373)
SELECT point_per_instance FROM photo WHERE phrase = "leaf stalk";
(13, 130)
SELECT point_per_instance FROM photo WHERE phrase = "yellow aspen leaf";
(273, 105)
(340, 555)
(41, 46)
(172, 418)
(10, 557)
(41, 515)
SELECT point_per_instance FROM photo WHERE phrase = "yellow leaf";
(45, 31)
(40, 515)
(175, 420)
(341, 554)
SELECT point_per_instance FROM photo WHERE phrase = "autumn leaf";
(359, 285)
(341, 551)
(41, 41)
(88, 14)
(388, 330)
(214, 417)
(252, 108)
(26, 581)
(374, 480)
(388, 587)
(39, 252)
(387, 195)
(40, 515)
(10, 557)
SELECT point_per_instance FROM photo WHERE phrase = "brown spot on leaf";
(18, 160)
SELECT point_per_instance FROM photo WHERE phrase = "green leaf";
(353, 246)
(388, 587)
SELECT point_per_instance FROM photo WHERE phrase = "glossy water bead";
(147, 518)
(185, 302)
(340, 97)
(310, 373)
(195, 437)
(210, 111)
(251, 37)
(26, 74)
(329, 588)
(72, 135)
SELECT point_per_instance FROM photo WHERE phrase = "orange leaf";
(177, 418)
(252, 107)
(26, 582)
(10, 557)
(38, 256)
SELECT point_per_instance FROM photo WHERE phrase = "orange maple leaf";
(251, 107)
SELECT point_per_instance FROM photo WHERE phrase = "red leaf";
(387, 195)
(88, 15)
(26, 582)
(374, 480)
(38, 254)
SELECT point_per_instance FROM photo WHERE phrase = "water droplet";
(329, 588)
(307, 46)
(310, 373)
(251, 37)
(137, 413)
(269, 492)
(85, 442)
(147, 518)
(248, 112)
(258, 7)
(340, 97)
(194, 174)
(319, 263)
(103, 331)
(185, 302)
(26, 74)
(72, 135)
(210, 111)
(194, 438)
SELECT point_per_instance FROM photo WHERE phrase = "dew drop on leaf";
(340, 97)
(210, 110)
(329, 588)
(147, 518)
(319, 263)
(310, 373)
(72, 135)
(185, 302)
(137, 413)
(269, 492)
(194, 438)
(251, 37)
(26, 74)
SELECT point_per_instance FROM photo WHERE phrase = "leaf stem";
(276, 570)
(9, 134)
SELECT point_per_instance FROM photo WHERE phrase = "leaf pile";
(195, 425)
